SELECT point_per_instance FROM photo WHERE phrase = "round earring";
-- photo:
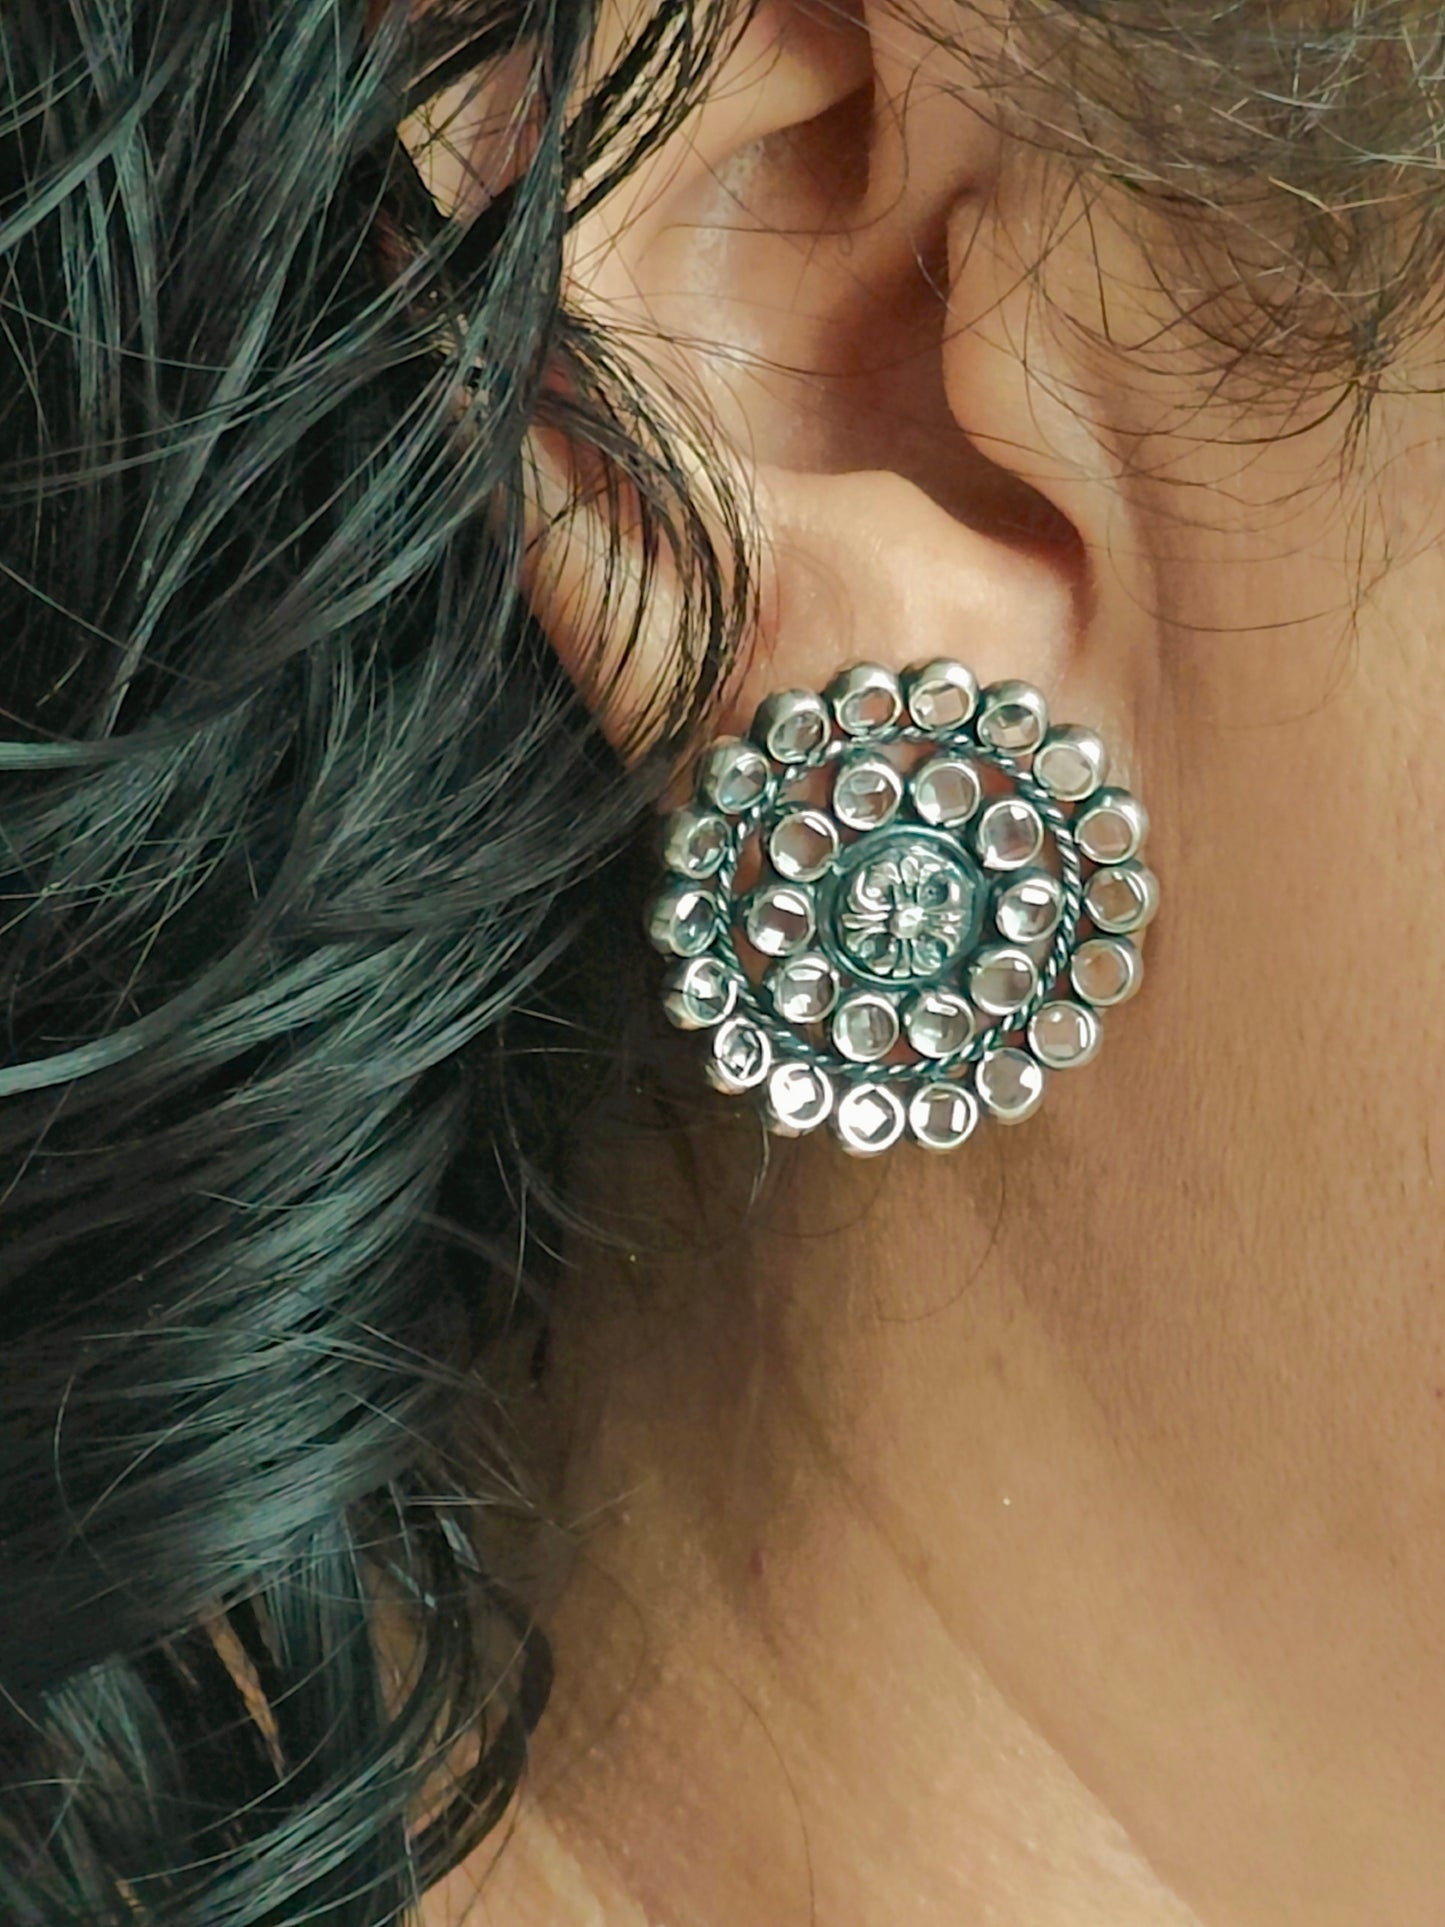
(901, 904)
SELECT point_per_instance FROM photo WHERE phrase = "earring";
(901, 904)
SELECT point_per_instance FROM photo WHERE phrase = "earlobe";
(865, 565)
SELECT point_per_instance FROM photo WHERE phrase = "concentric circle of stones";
(895, 907)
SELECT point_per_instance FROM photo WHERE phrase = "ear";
(827, 258)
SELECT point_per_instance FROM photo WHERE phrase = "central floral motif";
(906, 912)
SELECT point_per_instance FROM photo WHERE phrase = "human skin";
(1053, 1532)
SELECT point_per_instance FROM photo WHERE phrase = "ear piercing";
(901, 905)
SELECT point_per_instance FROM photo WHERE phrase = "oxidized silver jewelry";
(901, 904)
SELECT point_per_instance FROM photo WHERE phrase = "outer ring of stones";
(923, 1060)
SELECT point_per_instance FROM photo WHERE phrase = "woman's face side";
(978, 427)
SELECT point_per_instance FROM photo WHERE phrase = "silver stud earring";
(901, 905)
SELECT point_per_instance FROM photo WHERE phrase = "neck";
(913, 1585)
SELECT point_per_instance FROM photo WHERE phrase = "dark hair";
(299, 826)
(308, 845)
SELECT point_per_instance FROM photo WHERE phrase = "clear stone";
(1012, 717)
(1010, 834)
(938, 1023)
(699, 993)
(1029, 908)
(946, 790)
(942, 1116)
(866, 698)
(1071, 762)
(1122, 900)
(869, 1118)
(741, 1056)
(1001, 980)
(1065, 1035)
(799, 1098)
(803, 844)
(1112, 828)
(865, 1027)
(804, 989)
(1107, 971)
(779, 919)
(942, 695)
(866, 793)
(868, 709)
(733, 775)
(1010, 1084)
(696, 843)
(795, 739)
(682, 920)
(792, 725)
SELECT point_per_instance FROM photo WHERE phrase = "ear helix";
(901, 905)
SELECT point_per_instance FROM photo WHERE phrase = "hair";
(309, 853)
(300, 826)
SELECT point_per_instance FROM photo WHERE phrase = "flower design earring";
(901, 904)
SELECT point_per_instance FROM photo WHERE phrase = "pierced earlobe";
(901, 904)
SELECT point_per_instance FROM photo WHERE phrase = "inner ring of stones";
(900, 907)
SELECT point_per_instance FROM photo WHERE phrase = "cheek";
(1296, 1056)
